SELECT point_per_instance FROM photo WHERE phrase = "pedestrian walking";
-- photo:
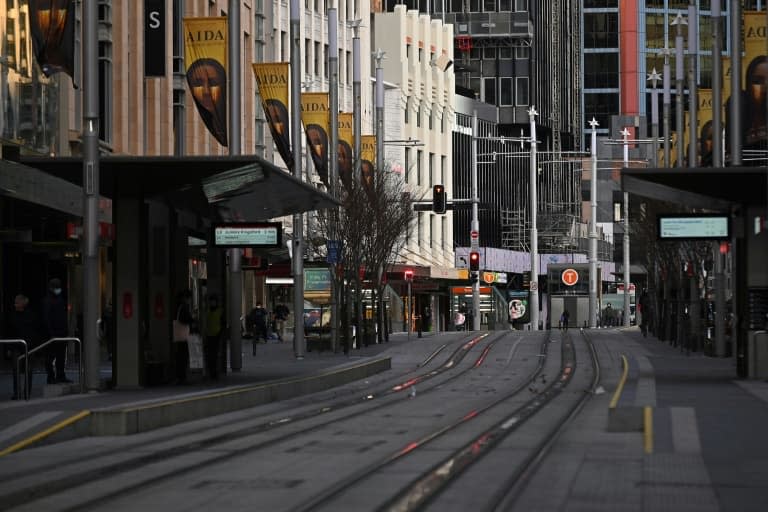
(564, 318)
(281, 315)
(182, 327)
(258, 318)
(56, 326)
(21, 324)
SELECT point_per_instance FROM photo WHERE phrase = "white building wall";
(412, 42)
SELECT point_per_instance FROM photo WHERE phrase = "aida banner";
(346, 143)
(205, 46)
(317, 122)
(705, 132)
(52, 24)
(367, 159)
(755, 79)
(272, 79)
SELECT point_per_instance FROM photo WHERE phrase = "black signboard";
(154, 38)
(757, 309)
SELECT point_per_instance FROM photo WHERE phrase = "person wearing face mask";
(55, 324)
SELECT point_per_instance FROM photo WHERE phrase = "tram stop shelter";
(741, 192)
(159, 205)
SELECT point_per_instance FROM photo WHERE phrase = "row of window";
(505, 91)
(503, 53)
(427, 218)
(458, 6)
(432, 179)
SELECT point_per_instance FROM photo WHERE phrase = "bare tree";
(371, 226)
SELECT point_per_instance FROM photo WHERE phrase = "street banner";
(205, 45)
(272, 79)
(346, 143)
(52, 23)
(154, 38)
(316, 118)
(755, 80)
(705, 131)
(367, 159)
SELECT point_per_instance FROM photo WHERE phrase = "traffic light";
(438, 199)
(474, 261)
(408, 275)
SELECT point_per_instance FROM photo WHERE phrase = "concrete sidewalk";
(272, 374)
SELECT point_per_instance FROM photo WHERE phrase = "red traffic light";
(408, 274)
(474, 260)
(438, 199)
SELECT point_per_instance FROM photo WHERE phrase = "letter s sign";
(154, 38)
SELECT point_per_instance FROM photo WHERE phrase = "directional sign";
(570, 277)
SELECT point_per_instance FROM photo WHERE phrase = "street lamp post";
(667, 101)
(534, 205)
(693, 104)
(593, 229)
(625, 135)
(678, 23)
(333, 181)
(299, 345)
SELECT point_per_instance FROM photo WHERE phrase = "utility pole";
(90, 247)
(299, 344)
(717, 88)
(534, 205)
(678, 23)
(235, 271)
(475, 226)
(693, 102)
(593, 229)
(625, 135)
(333, 179)
(667, 102)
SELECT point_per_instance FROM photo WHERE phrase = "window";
(418, 115)
(418, 167)
(431, 169)
(443, 231)
(505, 53)
(616, 212)
(419, 229)
(350, 71)
(505, 5)
(601, 70)
(489, 52)
(307, 56)
(407, 108)
(284, 47)
(408, 51)
(601, 30)
(521, 5)
(442, 169)
(489, 5)
(489, 90)
(407, 163)
(505, 91)
(521, 91)
(105, 91)
(431, 220)
(431, 114)
(316, 67)
(522, 52)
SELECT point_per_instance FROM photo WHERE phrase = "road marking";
(648, 429)
(45, 433)
(27, 424)
(622, 381)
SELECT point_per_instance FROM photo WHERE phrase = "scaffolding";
(559, 206)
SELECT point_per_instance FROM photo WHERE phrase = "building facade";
(421, 119)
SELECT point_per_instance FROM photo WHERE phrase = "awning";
(250, 187)
(700, 187)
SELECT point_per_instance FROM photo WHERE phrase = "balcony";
(516, 27)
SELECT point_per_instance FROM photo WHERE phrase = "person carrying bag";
(182, 326)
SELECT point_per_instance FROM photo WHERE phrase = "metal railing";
(79, 354)
(26, 367)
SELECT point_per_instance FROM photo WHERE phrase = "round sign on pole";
(474, 235)
(570, 277)
(534, 286)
